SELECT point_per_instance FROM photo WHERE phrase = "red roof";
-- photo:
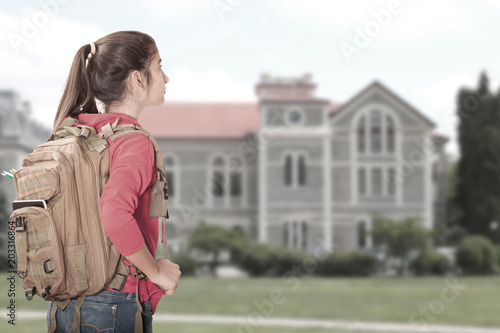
(203, 119)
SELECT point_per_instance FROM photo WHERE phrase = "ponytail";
(77, 96)
(103, 75)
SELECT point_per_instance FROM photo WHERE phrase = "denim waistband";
(117, 295)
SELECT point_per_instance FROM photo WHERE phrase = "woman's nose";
(165, 78)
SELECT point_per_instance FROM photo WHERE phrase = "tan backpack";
(63, 251)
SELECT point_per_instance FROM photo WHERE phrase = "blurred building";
(296, 170)
(19, 135)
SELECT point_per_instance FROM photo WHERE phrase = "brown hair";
(117, 55)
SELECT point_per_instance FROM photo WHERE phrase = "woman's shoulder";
(133, 141)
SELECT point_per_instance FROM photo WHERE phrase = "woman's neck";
(131, 109)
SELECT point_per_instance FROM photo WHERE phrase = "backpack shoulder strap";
(128, 129)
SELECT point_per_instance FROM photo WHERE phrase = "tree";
(399, 238)
(478, 185)
(212, 239)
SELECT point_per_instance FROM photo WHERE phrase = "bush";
(347, 264)
(286, 260)
(477, 255)
(257, 259)
(431, 262)
(185, 262)
(262, 259)
(455, 235)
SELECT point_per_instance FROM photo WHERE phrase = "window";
(218, 184)
(235, 184)
(362, 135)
(390, 134)
(295, 172)
(391, 181)
(295, 234)
(376, 181)
(302, 170)
(361, 230)
(362, 181)
(218, 176)
(235, 177)
(169, 173)
(376, 131)
(288, 170)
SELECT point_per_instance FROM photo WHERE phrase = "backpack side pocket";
(40, 261)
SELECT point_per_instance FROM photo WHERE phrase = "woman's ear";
(135, 84)
(137, 79)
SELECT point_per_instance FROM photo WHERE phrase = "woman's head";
(105, 75)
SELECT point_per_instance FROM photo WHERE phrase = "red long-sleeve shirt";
(126, 197)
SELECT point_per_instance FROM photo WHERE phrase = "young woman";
(123, 71)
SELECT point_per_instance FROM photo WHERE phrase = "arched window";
(302, 170)
(288, 170)
(391, 181)
(362, 134)
(361, 230)
(362, 181)
(235, 178)
(390, 134)
(376, 181)
(218, 178)
(376, 131)
(169, 172)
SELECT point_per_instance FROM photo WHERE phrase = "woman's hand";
(166, 277)
(162, 272)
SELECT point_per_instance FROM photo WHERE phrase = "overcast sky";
(215, 50)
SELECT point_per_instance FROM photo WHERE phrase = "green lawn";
(366, 299)
(35, 326)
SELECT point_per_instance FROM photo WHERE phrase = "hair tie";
(92, 52)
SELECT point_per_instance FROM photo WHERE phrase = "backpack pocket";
(35, 182)
(40, 260)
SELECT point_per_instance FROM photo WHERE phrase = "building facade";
(299, 171)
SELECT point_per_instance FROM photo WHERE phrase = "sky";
(216, 50)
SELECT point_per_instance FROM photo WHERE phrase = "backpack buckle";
(20, 224)
(122, 284)
(45, 267)
(29, 293)
(45, 293)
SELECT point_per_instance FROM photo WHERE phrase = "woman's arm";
(162, 272)
(131, 172)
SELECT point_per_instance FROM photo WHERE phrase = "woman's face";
(156, 89)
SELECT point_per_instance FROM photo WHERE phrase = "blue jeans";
(106, 311)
